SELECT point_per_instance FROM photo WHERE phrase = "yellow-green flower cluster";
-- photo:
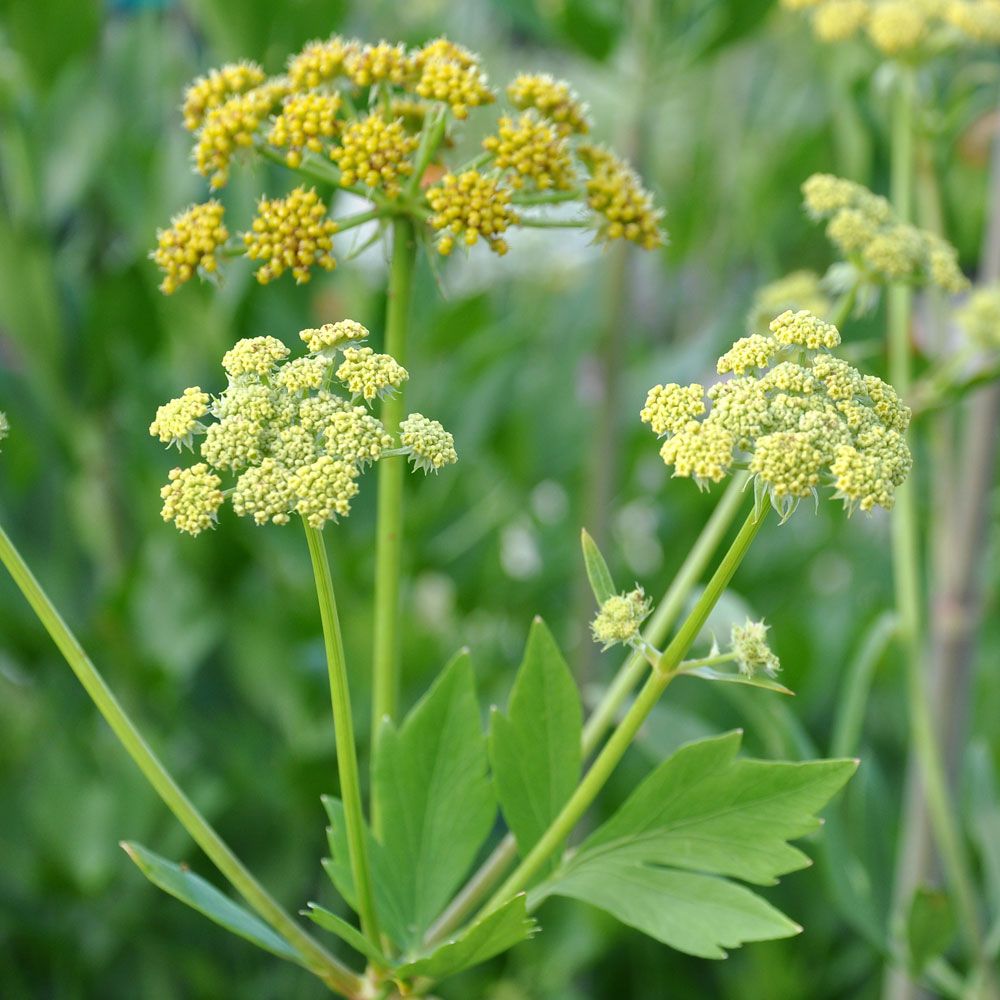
(753, 654)
(620, 619)
(979, 318)
(616, 194)
(469, 206)
(532, 149)
(292, 443)
(904, 29)
(190, 244)
(795, 291)
(377, 116)
(374, 153)
(306, 120)
(430, 446)
(291, 233)
(864, 227)
(794, 415)
(216, 87)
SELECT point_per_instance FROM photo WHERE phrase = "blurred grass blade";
(207, 900)
(598, 573)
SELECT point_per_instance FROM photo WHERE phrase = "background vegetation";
(539, 361)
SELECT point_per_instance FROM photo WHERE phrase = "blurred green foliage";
(214, 643)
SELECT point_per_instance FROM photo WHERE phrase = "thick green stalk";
(336, 975)
(625, 682)
(607, 760)
(389, 526)
(343, 726)
(906, 564)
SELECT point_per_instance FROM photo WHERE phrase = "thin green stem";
(343, 726)
(430, 142)
(529, 223)
(845, 307)
(316, 958)
(358, 219)
(907, 571)
(620, 740)
(547, 197)
(706, 661)
(389, 526)
(628, 677)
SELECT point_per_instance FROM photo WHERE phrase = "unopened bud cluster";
(979, 318)
(864, 227)
(749, 645)
(620, 619)
(379, 120)
(904, 29)
(796, 291)
(793, 414)
(287, 432)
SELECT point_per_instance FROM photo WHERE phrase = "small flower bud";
(431, 447)
(370, 375)
(753, 654)
(192, 499)
(177, 420)
(621, 618)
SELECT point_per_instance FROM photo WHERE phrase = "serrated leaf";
(535, 748)
(338, 867)
(210, 902)
(757, 681)
(706, 810)
(930, 927)
(698, 914)
(347, 932)
(479, 942)
(434, 796)
(702, 813)
(601, 581)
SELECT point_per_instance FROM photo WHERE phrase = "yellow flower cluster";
(318, 63)
(370, 375)
(979, 318)
(865, 229)
(366, 65)
(450, 74)
(904, 28)
(554, 99)
(190, 243)
(794, 415)
(753, 654)
(216, 87)
(293, 445)
(305, 121)
(532, 149)
(469, 206)
(620, 619)
(374, 152)
(795, 291)
(430, 446)
(615, 192)
(232, 126)
(291, 233)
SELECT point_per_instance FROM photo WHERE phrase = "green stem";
(705, 661)
(528, 223)
(547, 197)
(430, 141)
(343, 726)
(625, 682)
(607, 760)
(389, 527)
(358, 219)
(907, 570)
(319, 961)
(845, 306)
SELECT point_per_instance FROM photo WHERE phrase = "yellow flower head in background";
(794, 415)
(382, 122)
(288, 433)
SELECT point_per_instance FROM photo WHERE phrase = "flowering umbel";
(286, 432)
(904, 29)
(794, 415)
(379, 121)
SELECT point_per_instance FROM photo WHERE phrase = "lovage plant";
(289, 438)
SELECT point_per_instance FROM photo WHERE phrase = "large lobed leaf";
(435, 799)
(658, 863)
(535, 748)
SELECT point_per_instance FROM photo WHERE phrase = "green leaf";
(702, 813)
(348, 933)
(757, 681)
(338, 867)
(535, 748)
(207, 900)
(434, 796)
(930, 927)
(493, 934)
(697, 914)
(598, 573)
